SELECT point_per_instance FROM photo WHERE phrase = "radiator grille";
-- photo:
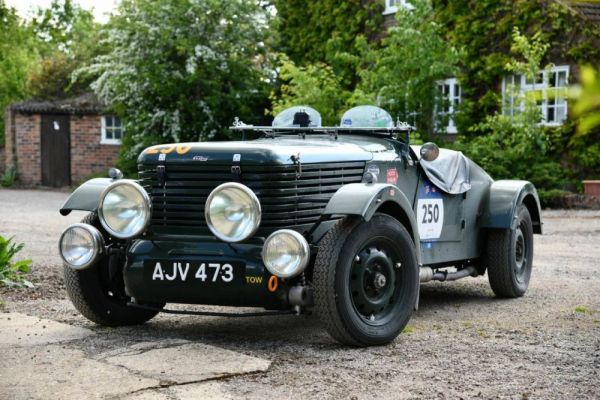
(286, 200)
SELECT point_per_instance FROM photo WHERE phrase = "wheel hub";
(372, 282)
(379, 281)
(519, 249)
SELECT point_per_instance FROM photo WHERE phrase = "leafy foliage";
(13, 273)
(327, 32)
(484, 28)
(67, 38)
(517, 146)
(402, 75)
(8, 178)
(38, 57)
(315, 85)
(17, 55)
(182, 70)
(588, 102)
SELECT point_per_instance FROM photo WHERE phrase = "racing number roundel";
(430, 212)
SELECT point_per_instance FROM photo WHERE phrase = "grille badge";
(161, 175)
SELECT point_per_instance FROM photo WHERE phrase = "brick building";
(60, 143)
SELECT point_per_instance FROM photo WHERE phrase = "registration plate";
(217, 273)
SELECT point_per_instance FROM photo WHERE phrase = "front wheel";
(366, 280)
(100, 297)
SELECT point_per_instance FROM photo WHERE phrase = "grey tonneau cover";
(449, 172)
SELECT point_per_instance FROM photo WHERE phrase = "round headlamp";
(80, 245)
(232, 212)
(286, 253)
(125, 209)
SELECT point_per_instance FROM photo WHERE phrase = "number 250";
(431, 213)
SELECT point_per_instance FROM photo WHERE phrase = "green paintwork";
(505, 197)
(86, 196)
(365, 199)
(268, 151)
(398, 177)
(248, 258)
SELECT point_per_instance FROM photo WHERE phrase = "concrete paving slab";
(22, 330)
(191, 362)
(57, 372)
(194, 391)
(205, 391)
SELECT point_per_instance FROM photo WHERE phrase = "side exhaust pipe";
(427, 274)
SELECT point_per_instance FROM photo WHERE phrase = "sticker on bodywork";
(374, 169)
(430, 212)
(392, 176)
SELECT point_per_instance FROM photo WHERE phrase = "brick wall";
(88, 156)
(27, 147)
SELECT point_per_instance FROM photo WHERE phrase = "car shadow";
(465, 293)
(262, 333)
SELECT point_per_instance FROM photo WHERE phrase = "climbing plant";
(327, 31)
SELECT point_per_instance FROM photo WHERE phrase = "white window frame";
(454, 99)
(103, 138)
(392, 6)
(508, 99)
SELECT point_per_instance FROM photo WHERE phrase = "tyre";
(509, 257)
(366, 280)
(97, 296)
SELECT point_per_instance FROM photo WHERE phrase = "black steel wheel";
(99, 294)
(366, 280)
(509, 257)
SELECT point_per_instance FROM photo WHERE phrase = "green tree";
(402, 76)
(327, 31)
(17, 55)
(315, 85)
(182, 70)
(68, 38)
(483, 29)
(518, 146)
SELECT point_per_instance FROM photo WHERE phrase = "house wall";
(27, 156)
(389, 20)
(88, 155)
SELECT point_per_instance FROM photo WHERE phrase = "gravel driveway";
(462, 343)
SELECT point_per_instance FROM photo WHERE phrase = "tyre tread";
(82, 293)
(498, 261)
(323, 279)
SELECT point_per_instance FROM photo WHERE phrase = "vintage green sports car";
(345, 222)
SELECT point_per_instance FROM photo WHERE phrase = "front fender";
(505, 197)
(364, 200)
(87, 196)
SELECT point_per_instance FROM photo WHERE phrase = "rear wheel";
(509, 257)
(98, 294)
(366, 280)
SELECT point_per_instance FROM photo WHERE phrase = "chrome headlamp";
(286, 253)
(124, 209)
(232, 212)
(80, 245)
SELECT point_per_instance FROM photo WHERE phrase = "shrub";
(8, 179)
(518, 146)
(13, 273)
